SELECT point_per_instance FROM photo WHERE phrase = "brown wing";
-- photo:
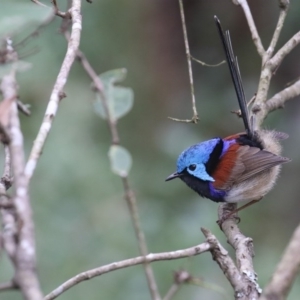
(251, 161)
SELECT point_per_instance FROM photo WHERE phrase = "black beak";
(173, 176)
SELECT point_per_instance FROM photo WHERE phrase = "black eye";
(192, 167)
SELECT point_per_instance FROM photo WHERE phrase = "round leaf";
(120, 160)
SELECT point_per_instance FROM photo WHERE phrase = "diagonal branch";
(221, 256)
(284, 6)
(276, 60)
(286, 271)
(279, 99)
(152, 257)
(57, 92)
(255, 36)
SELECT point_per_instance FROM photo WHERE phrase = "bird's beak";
(173, 176)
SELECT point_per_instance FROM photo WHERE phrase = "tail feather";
(236, 76)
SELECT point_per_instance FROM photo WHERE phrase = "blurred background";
(81, 218)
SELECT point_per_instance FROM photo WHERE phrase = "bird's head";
(193, 161)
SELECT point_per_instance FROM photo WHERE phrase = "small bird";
(240, 167)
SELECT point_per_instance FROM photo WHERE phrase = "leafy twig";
(129, 195)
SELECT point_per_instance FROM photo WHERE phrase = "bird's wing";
(248, 162)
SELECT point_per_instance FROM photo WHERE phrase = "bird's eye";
(192, 167)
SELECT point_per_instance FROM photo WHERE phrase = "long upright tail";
(235, 75)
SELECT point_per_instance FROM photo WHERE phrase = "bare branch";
(244, 252)
(283, 12)
(226, 264)
(64, 15)
(57, 91)
(39, 3)
(255, 36)
(24, 251)
(8, 221)
(195, 117)
(202, 63)
(132, 205)
(180, 277)
(286, 271)
(279, 99)
(196, 250)
(276, 60)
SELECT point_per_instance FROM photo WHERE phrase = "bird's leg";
(220, 221)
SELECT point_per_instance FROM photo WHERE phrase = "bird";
(240, 167)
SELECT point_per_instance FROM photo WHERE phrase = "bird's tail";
(236, 76)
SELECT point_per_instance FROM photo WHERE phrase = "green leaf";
(119, 99)
(120, 160)
(18, 15)
(113, 76)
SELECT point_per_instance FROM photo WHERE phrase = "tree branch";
(276, 60)
(282, 15)
(196, 250)
(24, 252)
(286, 271)
(279, 99)
(255, 36)
(244, 252)
(57, 92)
(226, 264)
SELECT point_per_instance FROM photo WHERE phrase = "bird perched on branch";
(241, 167)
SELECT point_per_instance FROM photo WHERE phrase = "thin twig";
(129, 195)
(24, 108)
(255, 36)
(132, 205)
(195, 117)
(207, 65)
(172, 291)
(180, 277)
(100, 89)
(64, 15)
(39, 3)
(152, 257)
(286, 271)
(281, 19)
(57, 91)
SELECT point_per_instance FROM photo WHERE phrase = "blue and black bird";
(240, 167)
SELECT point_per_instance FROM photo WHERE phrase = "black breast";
(199, 186)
